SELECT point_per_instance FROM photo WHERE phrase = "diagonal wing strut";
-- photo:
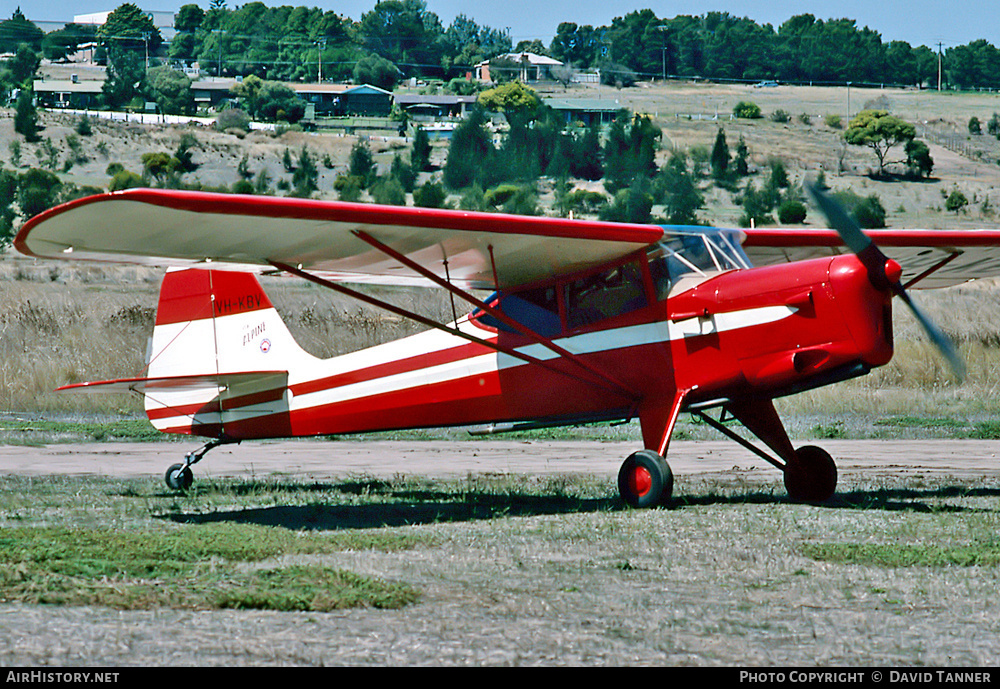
(584, 376)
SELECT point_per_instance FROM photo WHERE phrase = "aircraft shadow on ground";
(409, 507)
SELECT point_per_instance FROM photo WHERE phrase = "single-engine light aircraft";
(587, 321)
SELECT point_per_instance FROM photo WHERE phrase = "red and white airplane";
(588, 321)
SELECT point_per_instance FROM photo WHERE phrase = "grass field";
(498, 570)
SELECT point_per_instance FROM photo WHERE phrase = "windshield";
(699, 251)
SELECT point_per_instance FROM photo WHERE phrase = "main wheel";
(811, 476)
(645, 480)
(179, 477)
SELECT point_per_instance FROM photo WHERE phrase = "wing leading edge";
(179, 228)
(935, 258)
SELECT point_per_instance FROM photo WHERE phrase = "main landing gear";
(810, 474)
(180, 476)
(645, 480)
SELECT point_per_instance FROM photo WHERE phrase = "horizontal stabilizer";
(233, 382)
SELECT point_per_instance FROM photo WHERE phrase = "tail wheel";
(645, 480)
(179, 477)
(811, 476)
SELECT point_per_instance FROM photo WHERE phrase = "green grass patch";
(903, 555)
(202, 567)
(14, 430)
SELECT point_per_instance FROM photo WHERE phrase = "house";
(364, 100)
(425, 108)
(68, 93)
(527, 67)
(587, 111)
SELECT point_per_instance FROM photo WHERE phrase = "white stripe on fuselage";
(484, 364)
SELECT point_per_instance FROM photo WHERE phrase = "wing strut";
(495, 313)
(423, 320)
(933, 269)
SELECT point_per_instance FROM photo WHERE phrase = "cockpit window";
(694, 252)
(603, 295)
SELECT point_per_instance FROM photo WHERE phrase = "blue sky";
(920, 22)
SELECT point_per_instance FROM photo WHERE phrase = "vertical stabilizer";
(220, 327)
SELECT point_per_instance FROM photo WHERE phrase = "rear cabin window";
(604, 295)
(537, 309)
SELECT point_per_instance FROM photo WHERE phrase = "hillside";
(66, 322)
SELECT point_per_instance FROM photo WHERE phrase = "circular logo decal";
(265, 345)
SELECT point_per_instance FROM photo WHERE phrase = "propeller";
(883, 272)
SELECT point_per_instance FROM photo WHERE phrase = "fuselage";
(630, 336)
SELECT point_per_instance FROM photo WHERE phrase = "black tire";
(811, 476)
(645, 480)
(179, 477)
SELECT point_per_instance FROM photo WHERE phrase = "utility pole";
(939, 65)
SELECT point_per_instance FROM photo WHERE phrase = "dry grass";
(62, 323)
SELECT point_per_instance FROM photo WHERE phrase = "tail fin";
(218, 336)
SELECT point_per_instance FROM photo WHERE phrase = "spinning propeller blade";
(883, 271)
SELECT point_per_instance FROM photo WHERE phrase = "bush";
(233, 118)
(780, 116)
(747, 111)
(430, 195)
(868, 211)
(124, 179)
(388, 192)
(956, 201)
(833, 121)
(791, 212)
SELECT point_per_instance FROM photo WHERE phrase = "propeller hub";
(893, 271)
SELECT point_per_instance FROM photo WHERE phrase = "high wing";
(934, 258)
(180, 228)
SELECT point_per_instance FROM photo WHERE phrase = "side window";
(536, 309)
(603, 295)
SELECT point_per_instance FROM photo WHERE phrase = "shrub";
(233, 118)
(780, 116)
(388, 192)
(791, 212)
(956, 201)
(833, 121)
(747, 110)
(868, 211)
(430, 195)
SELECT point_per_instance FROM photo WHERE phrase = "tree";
(126, 77)
(17, 31)
(420, 156)
(879, 131)
(676, 188)
(720, 155)
(25, 117)
(918, 158)
(130, 29)
(361, 164)
(59, 44)
(470, 154)
(747, 110)
(171, 90)
(430, 195)
(375, 70)
(275, 101)
(306, 175)
(510, 97)
(189, 18)
(956, 201)
(22, 67)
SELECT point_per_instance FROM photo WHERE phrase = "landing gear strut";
(180, 476)
(810, 472)
(645, 480)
